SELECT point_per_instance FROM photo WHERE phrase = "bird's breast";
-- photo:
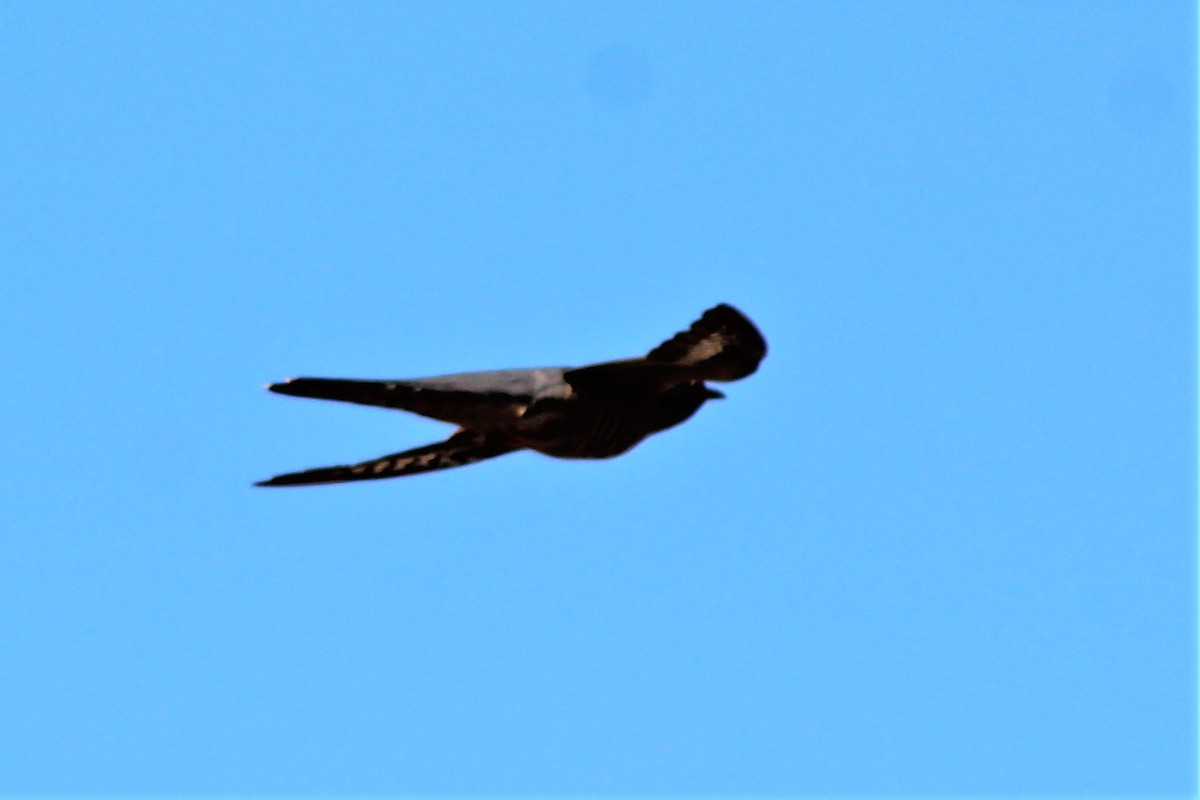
(585, 427)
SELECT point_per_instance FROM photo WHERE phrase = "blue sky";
(942, 543)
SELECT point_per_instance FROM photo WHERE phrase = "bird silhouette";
(596, 411)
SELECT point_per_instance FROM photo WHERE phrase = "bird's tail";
(464, 447)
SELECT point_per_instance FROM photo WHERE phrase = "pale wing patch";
(722, 343)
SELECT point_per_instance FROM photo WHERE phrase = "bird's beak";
(713, 394)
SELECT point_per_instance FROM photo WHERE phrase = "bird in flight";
(597, 411)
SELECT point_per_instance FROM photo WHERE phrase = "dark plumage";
(597, 411)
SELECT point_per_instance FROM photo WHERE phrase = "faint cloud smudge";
(1143, 101)
(619, 77)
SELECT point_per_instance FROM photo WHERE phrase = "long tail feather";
(464, 447)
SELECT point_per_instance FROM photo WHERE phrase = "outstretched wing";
(722, 345)
(473, 400)
(464, 447)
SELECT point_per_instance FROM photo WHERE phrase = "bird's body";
(597, 411)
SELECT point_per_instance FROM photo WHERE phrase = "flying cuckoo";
(596, 411)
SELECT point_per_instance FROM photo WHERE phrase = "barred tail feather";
(464, 447)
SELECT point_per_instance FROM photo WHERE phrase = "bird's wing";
(464, 447)
(475, 400)
(722, 345)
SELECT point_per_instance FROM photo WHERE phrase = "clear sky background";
(943, 541)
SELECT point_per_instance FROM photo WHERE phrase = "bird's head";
(679, 402)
